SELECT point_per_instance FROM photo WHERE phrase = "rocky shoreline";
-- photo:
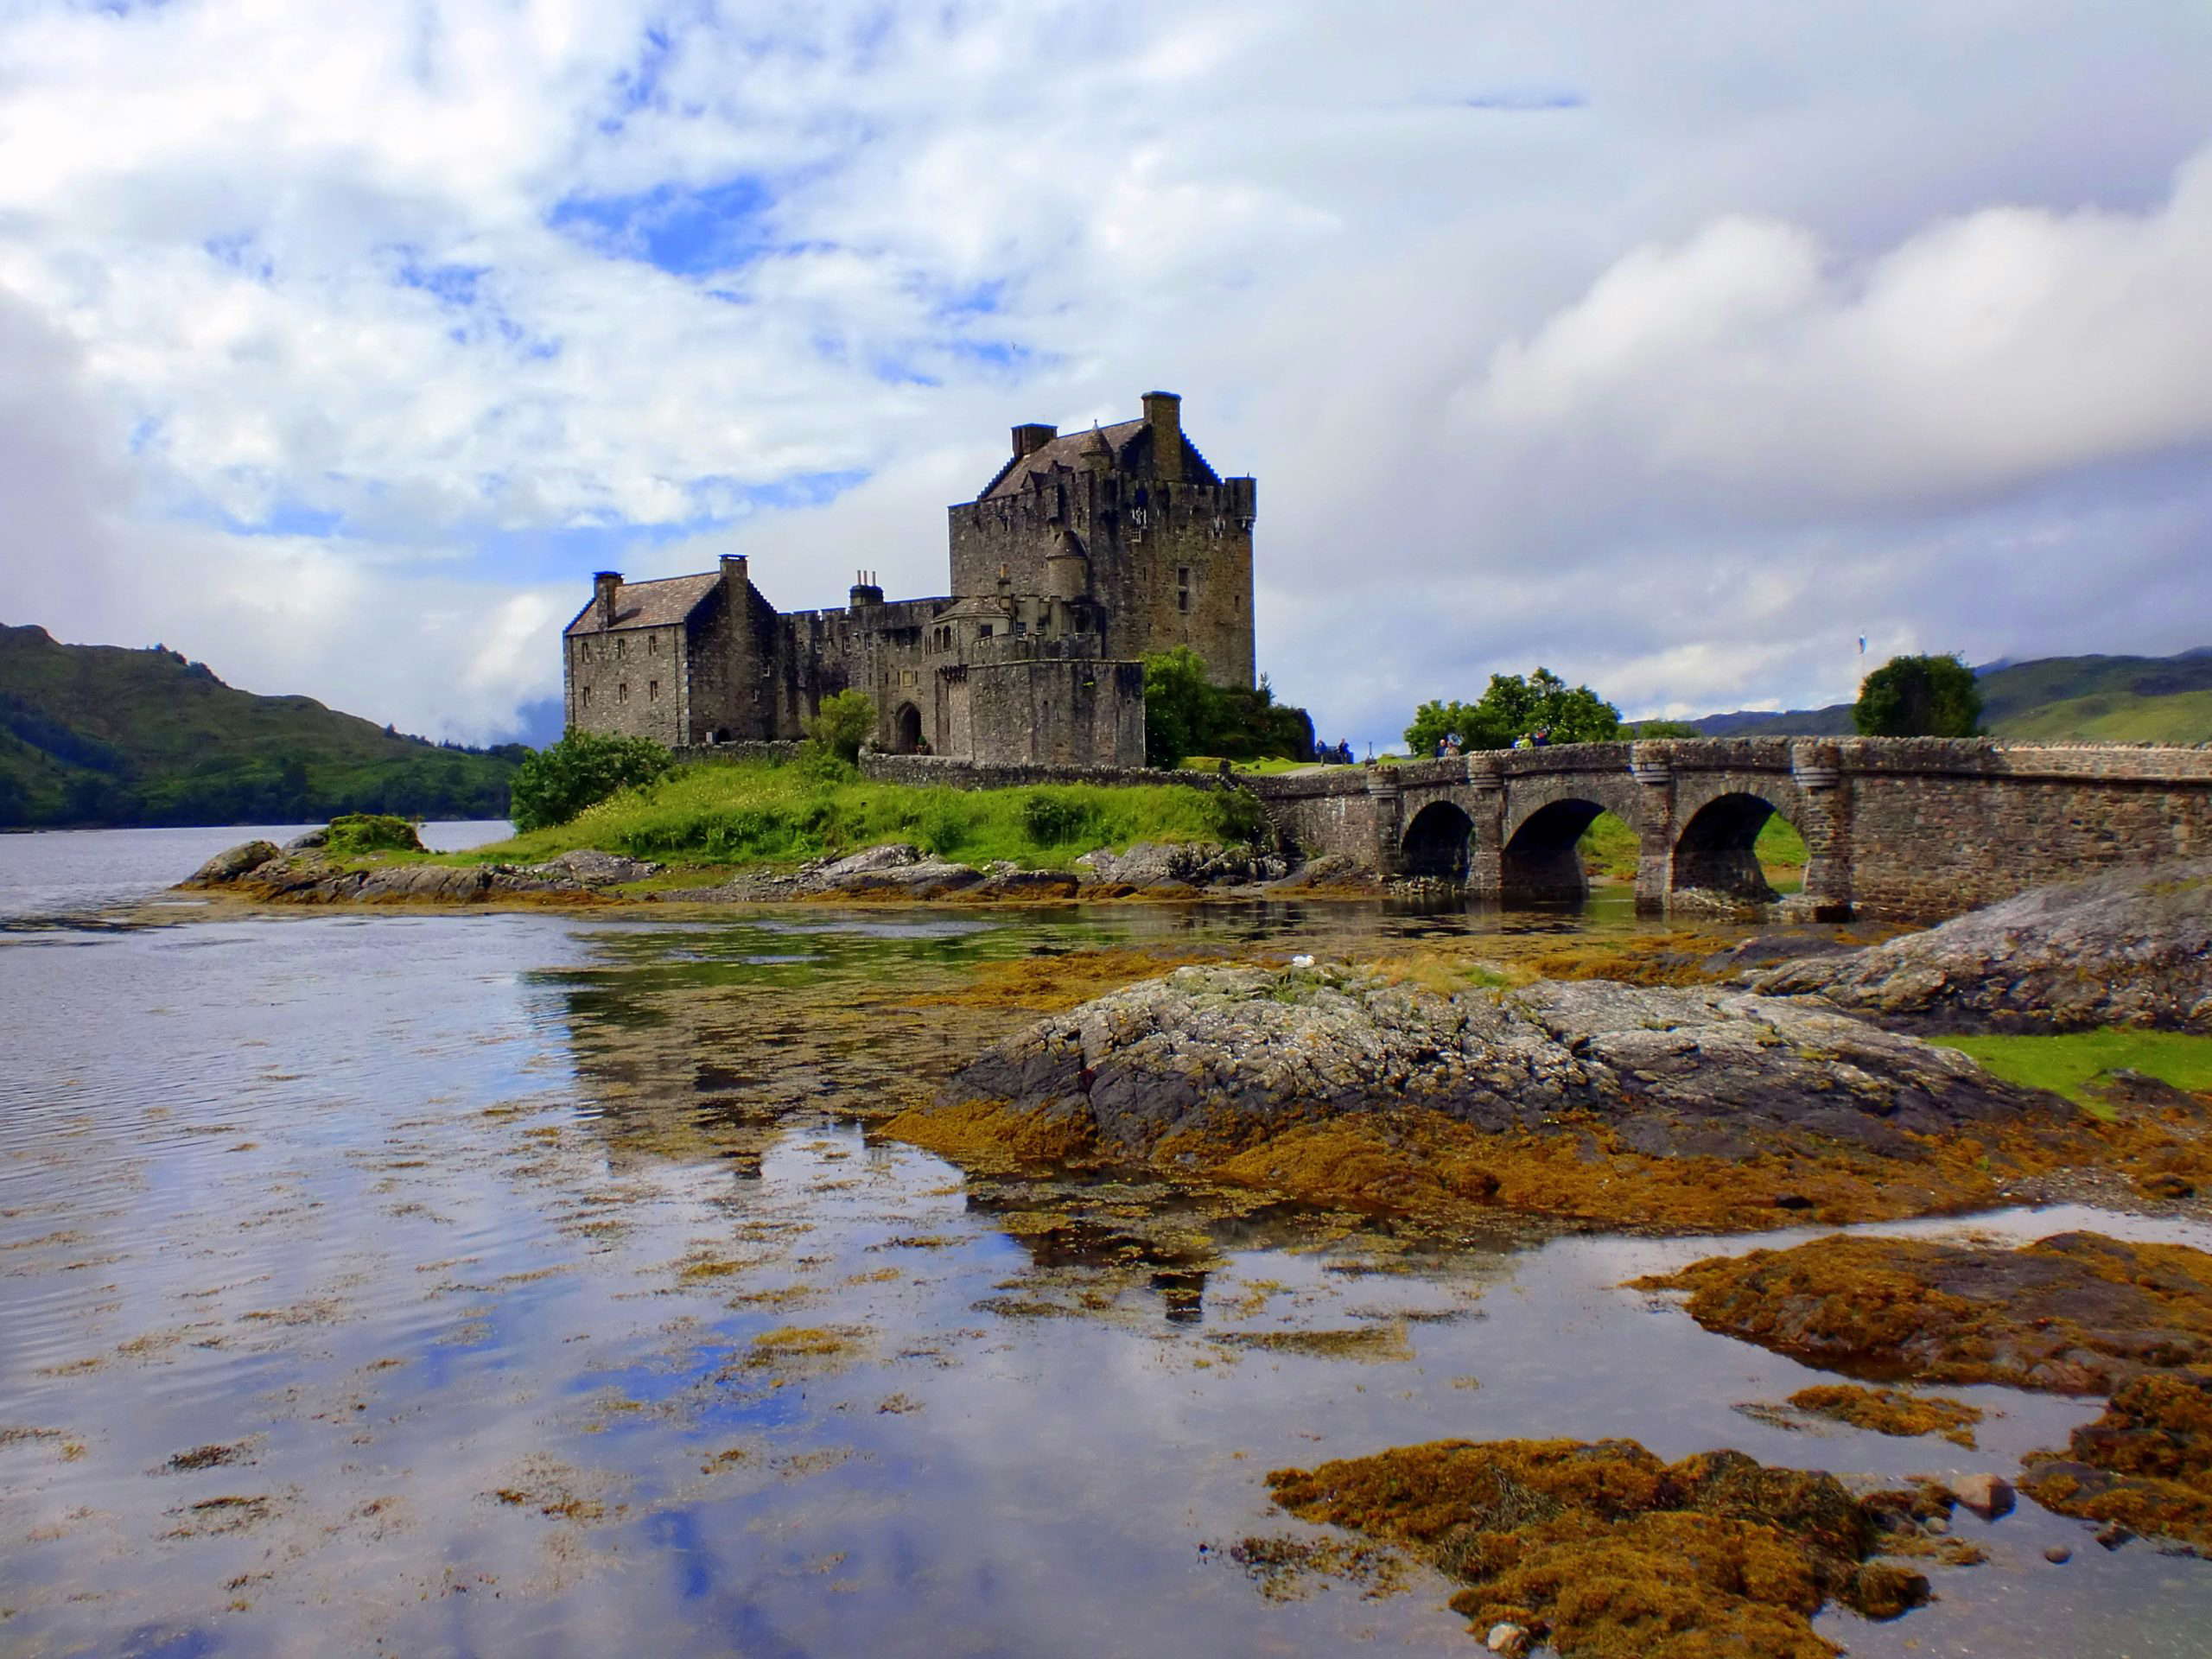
(303, 874)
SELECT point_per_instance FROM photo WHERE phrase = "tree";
(582, 769)
(1179, 707)
(1514, 706)
(843, 724)
(1919, 696)
(1647, 728)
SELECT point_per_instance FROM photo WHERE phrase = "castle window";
(983, 633)
(652, 690)
(653, 643)
(622, 691)
(586, 697)
(621, 647)
(1182, 587)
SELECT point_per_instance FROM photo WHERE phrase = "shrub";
(842, 726)
(1050, 818)
(371, 832)
(582, 769)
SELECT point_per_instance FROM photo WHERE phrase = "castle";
(1084, 553)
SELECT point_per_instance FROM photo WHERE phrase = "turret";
(1067, 568)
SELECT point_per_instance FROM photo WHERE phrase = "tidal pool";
(519, 1284)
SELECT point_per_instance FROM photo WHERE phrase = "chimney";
(1028, 440)
(865, 590)
(737, 580)
(603, 586)
(1163, 413)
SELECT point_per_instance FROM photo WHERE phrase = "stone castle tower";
(1083, 554)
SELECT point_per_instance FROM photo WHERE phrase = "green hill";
(98, 734)
(2052, 699)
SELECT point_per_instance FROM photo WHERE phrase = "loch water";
(530, 1284)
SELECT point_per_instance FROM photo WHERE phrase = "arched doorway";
(905, 730)
(1436, 841)
(1543, 859)
(1728, 845)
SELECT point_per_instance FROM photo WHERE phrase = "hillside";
(2052, 699)
(99, 734)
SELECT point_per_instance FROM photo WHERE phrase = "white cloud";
(1756, 331)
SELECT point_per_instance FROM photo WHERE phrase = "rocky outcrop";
(1156, 865)
(258, 870)
(1700, 1072)
(231, 864)
(1696, 1110)
(2132, 948)
(594, 868)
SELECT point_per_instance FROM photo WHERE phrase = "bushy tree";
(1184, 715)
(582, 769)
(843, 724)
(1919, 696)
(1179, 707)
(1643, 728)
(1514, 706)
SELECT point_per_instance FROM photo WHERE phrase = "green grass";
(1609, 849)
(763, 812)
(2072, 1064)
(2115, 717)
(1271, 764)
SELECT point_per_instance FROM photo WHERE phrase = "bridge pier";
(1653, 768)
(1825, 822)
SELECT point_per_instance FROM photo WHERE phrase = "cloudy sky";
(1673, 347)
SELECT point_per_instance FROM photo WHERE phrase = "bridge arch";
(1438, 842)
(1543, 856)
(1715, 848)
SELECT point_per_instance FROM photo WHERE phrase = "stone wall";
(628, 682)
(942, 772)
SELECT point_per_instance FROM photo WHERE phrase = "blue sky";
(1672, 351)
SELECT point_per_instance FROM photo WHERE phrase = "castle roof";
(650, 604)
(1066, 451)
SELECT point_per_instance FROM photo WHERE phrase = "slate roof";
(1066, 450)
(650, 604)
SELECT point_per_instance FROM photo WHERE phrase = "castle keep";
(1081, 556)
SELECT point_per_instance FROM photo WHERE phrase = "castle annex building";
(1081, 556)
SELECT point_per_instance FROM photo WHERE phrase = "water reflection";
(511, 1284)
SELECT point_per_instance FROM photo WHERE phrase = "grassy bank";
(763, 812)
(2075, 1064)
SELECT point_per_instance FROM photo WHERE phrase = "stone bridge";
(1904, 827)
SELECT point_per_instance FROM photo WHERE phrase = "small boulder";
(307, 840)
(1988, 1495)
(595, 868)
(234, 865)
(2059, 1554)
(1511, 1640)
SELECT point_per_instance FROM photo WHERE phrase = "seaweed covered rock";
(2145, 1465)
(2129, 948)
(1690, 1108)
(1605, 1550)
(2076, 1313)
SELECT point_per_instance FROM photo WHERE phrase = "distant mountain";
(2052, 699)
(98, 734)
